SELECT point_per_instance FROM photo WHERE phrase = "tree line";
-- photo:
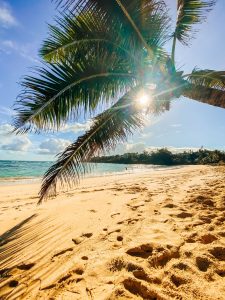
(166, 157)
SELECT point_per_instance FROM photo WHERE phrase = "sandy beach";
(156, 235)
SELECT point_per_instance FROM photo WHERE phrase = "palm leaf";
(207, 78)
(60, 91)
(108, 128)
(135, 17)
(86, 32)
(190, 13)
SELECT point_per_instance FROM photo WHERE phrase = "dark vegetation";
(165, 157)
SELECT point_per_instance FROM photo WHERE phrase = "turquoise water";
(33, 169)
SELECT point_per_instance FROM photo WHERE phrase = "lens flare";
(143, 99)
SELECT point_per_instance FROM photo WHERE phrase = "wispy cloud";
(24, 50)
(176, 125)
(6, 111)
(76, 127)
(7, 19)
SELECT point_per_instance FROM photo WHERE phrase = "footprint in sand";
(138, 288)
(113, 231)
(84, 257)
(79, 271)
(13, 283)
(87, 235)
(147, 200)
(157, 256)
(177, 280)
(62, 252)
(169, 205)
(143, 251)
(114, 214)
(203, 263)
(136, 206)
(218, 253)
(26, 267)
(128, 221)
(207, 238)
(184, 215)
(77, 241)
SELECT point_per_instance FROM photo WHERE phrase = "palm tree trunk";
(206, 95)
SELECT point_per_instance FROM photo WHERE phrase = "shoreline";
(131, 236)
(139, 170)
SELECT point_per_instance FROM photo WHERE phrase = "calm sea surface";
(18, 170)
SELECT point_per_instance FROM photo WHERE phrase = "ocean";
(31, 170)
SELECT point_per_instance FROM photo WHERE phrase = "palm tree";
(101, 56)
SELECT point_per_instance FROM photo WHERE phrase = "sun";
(143, 99)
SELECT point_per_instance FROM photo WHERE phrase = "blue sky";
(23, 26)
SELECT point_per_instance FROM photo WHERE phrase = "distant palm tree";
(109, 53)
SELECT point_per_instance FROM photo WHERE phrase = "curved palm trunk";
(206, 95)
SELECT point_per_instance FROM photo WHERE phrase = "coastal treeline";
(166, 157)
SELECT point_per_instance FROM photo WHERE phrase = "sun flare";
(143, 99)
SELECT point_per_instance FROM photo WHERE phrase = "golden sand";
(157, 235)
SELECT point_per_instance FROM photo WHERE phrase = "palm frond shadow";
(8, 235)
(25, 252)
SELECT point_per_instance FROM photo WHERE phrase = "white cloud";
(11, 142)
(129, 147)
(77, 127)
(20, 143)
(140, 147)
(53, 146)
(172, 149)
(135, 147)
(6, 16)
(4, 130)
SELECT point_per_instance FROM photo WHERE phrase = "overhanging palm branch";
(60, 91)
(207, 78)
(107, 130)
(85, 31)
(99, 52)
(91, 71)
(211, 96)
(206, 86)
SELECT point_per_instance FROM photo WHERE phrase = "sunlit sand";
(156, 235)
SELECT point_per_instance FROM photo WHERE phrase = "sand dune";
(157, 235)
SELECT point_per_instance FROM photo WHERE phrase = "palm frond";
(190, 13)
(204, 94)
(207, 78)
(60, 91)
(107, 130)
(86, 33)
(146, 21)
